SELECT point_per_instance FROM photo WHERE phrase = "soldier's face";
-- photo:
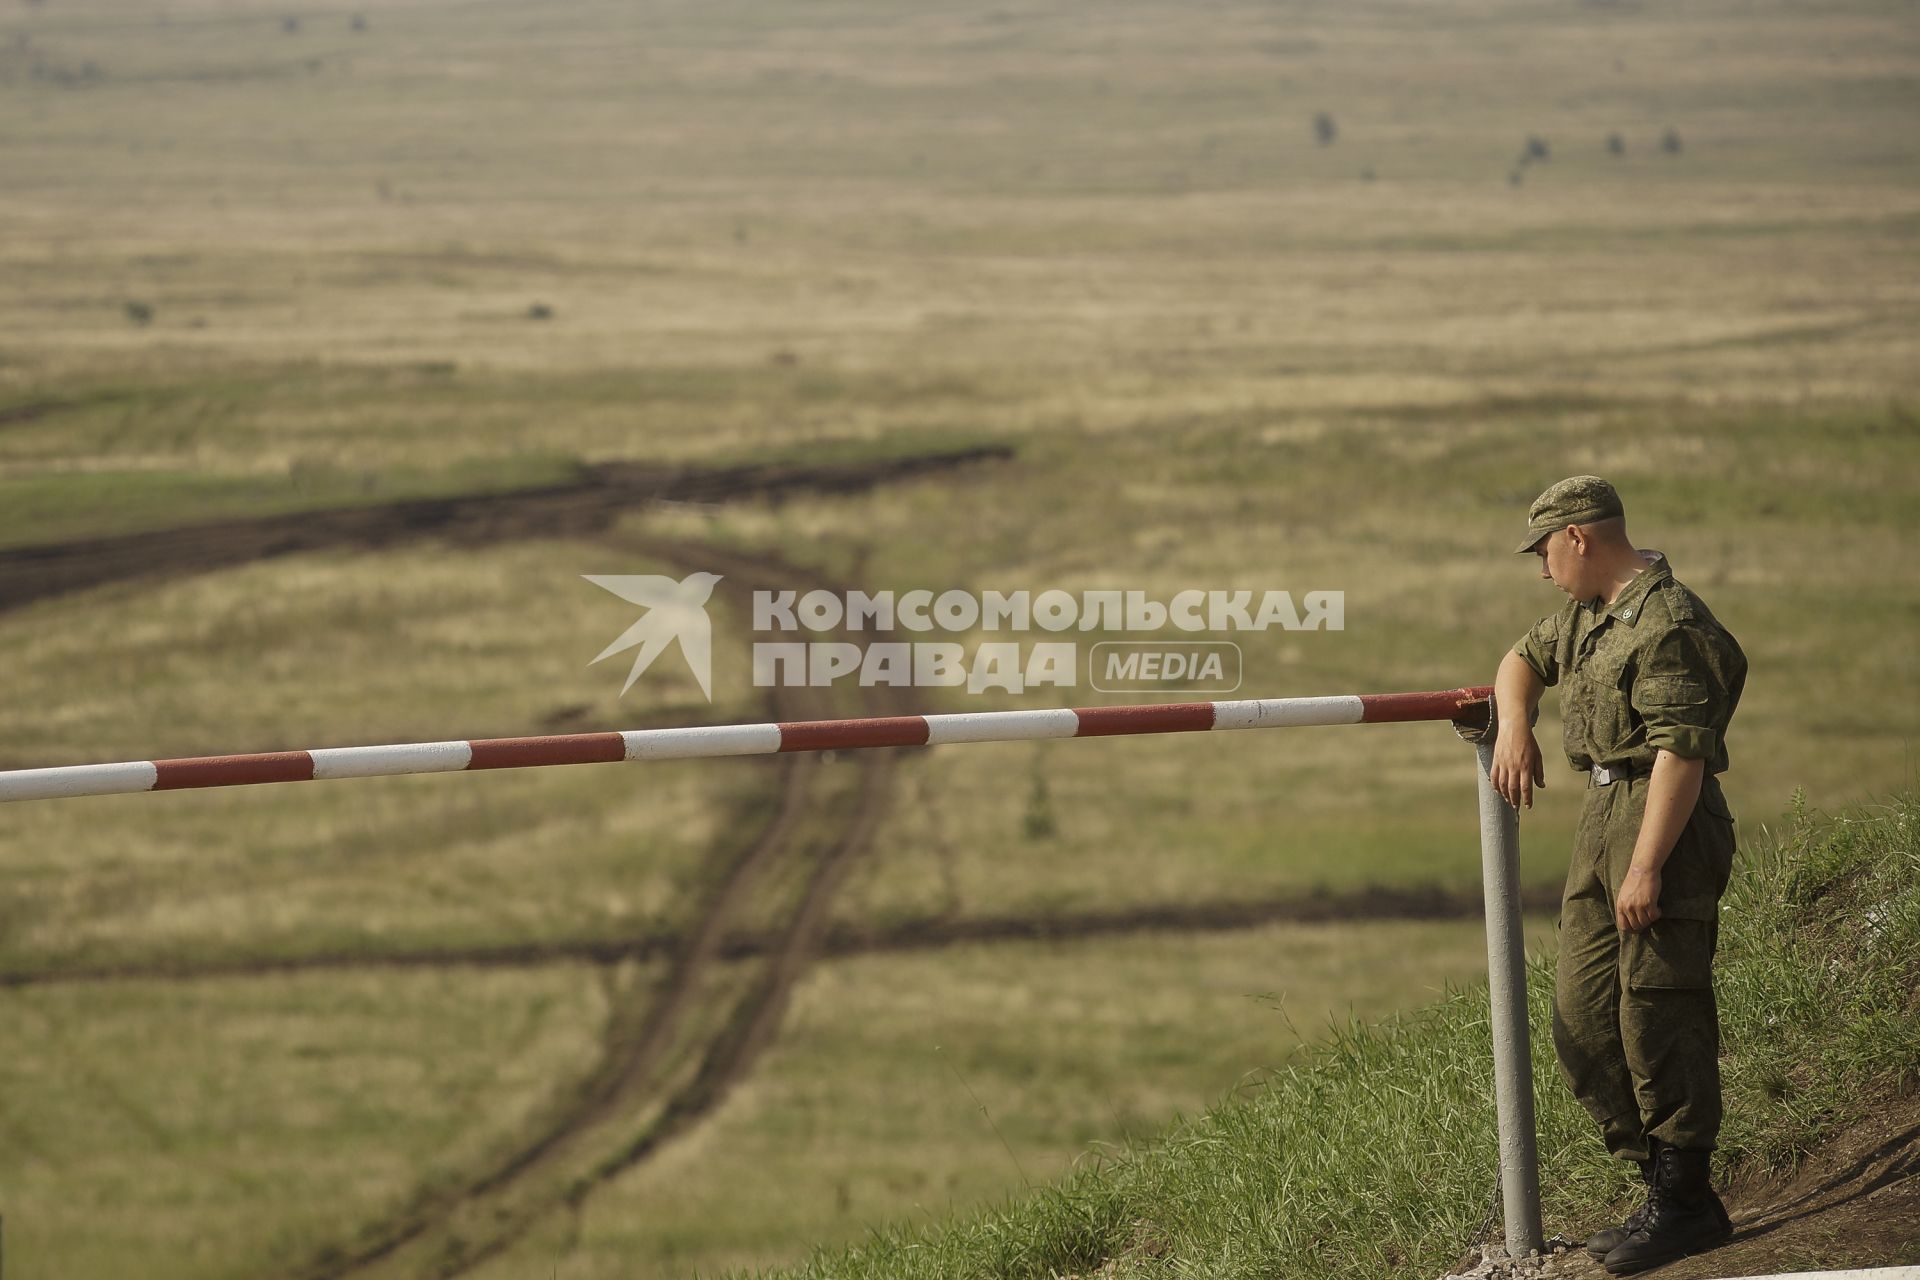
(1560, 562)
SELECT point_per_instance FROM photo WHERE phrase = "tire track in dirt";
(450, 1230)
(641, 1026)
(730, 1055)
(586, 506)
(1364, 905)
(23, 412)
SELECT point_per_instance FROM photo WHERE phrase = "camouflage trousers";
(1634, 1022)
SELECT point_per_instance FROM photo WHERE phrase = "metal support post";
(1507, 983)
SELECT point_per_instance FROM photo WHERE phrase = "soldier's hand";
(1517, 765)
(1637, 905)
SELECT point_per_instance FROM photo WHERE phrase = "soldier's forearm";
(1672, 791)
(1516, 691)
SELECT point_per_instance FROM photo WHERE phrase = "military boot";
(1684, 1216)
(1601, 1243)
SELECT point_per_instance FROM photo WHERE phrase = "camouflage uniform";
(1634, 1022)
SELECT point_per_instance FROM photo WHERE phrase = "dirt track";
(1368, 904)
(583, 507)
(643, 1091)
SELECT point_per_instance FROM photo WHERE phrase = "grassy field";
(905, 1088)
(229, 1126)
(262, 261)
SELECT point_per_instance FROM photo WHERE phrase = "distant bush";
(1616, 145)
(139, 312)
(1324, 129)
(1670, 142)
(1038, 822)
(539, 311)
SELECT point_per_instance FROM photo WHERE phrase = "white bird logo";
(675, 611)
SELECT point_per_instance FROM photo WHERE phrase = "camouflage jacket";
(1654, 669)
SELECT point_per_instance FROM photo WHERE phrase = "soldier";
(1651, 680)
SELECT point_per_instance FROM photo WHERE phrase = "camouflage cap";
(1575, 500)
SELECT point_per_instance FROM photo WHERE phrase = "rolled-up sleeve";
(1540, 648)
(1677, 695)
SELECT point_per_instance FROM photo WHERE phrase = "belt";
(1604, 775)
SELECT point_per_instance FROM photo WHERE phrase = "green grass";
(235, 1126)
(1374, 1157)
(908, 1086)
(55, 506)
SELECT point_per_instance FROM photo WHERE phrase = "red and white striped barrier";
(730, 740)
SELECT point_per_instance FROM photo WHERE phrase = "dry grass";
(1227, 358)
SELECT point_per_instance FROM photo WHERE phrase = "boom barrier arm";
(705, 741)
